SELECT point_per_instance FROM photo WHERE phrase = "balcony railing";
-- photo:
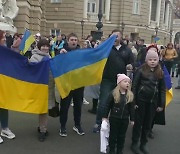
(176, 21)
(153, 24)
(93, 17)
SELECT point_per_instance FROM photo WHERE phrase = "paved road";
(167, 138)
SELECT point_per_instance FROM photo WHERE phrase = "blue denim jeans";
(105, 88)
(4, 118)
(178, 79)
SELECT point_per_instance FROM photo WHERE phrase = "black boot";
(111, 152)
(151, 135)
(143, 148)
(119, 152)
(42, 137)
(172, 74)
(135, 148)
(94, 107)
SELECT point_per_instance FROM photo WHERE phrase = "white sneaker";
(7, 133)
(85, 101)
(1, 140)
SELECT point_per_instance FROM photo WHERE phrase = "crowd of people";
(132, 87)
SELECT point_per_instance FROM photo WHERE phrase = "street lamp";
(173, 10)
(156, 32)
(82, 26)
(99, 24)
(170, 33)
(122, 28)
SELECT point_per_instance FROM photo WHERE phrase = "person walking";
(169, 54)
(178, 66)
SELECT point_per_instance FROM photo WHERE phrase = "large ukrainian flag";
(169, 92)
(23, 86)
(26, 42)
(80, 68)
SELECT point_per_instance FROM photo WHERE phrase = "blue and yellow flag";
(54, 39)
(52, 51)
(26, 42)
(169, 92)
(23, 85)
(80, 68)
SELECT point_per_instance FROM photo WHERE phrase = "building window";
(55, 32)
(56, 1)
(134, 36)
(153, 10)
(165, 11)
(91, 6)
(103, 6)
(136, 6)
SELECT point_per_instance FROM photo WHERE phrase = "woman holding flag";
(39, 54)
(5, 132)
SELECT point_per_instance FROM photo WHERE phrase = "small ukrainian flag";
(26, 42)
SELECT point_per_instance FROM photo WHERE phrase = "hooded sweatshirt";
(38, 55)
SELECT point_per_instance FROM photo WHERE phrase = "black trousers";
(144, 116)
(77, 96)
(118, 128)
(168, 65)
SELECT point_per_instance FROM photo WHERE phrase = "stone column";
(85, 9)
(167, 16)
(158, 11)
(150, 6)
(107, 9)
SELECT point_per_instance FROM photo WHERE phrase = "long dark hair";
(158, 72)
(1, 34)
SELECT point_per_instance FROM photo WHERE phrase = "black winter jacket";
(147, 88)
(66, 47)
(121, 110)
(117, 61)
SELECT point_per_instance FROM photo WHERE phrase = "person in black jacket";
(120, 57)
(9, 40)
(149, 97)
(77, 95)
(141, 49)
(120, 106)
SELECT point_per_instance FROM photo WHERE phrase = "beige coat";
(169, 54)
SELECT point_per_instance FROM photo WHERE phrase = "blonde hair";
(82, 43)
(117, 95)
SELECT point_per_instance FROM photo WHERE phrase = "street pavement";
(166, 141)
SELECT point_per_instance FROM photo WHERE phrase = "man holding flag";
(120, 57)
(73, 71)
(76, 95)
